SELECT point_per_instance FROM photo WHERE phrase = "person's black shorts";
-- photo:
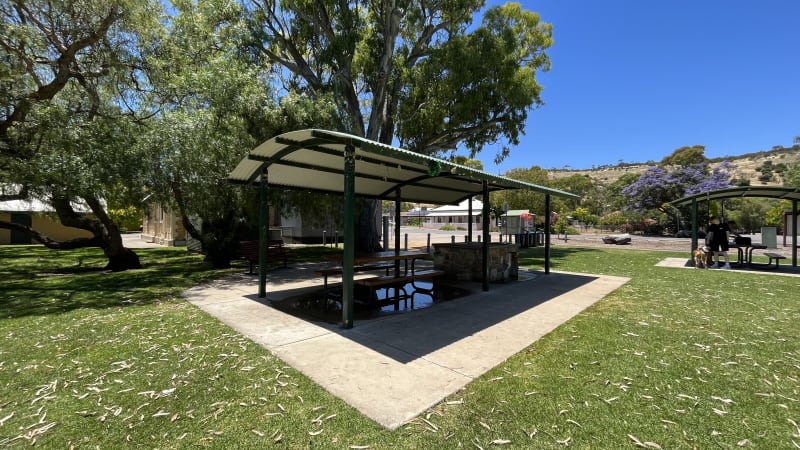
(719, 247)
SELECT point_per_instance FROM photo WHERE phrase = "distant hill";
(755, 167)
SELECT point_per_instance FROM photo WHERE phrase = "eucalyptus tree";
(581, 185)
(65, 90)
(523, 199)
(686, 156)
(211, 105)
(419, 74)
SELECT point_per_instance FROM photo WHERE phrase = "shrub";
(129, 218)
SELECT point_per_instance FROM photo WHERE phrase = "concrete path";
(393, 368)
(785, 270)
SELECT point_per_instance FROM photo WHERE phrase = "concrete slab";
(783, 270)
(392, 368)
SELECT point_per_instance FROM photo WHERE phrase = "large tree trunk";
(105, 232)
(216, 236)
(106, 235)
(368, 226)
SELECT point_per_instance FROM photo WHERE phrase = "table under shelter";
(332, 162)
(779, 192)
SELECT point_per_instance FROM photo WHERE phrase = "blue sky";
(633, 80)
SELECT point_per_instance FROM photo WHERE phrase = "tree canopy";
(67, 112)
(418, 73)
(117, 100)
(686, 156)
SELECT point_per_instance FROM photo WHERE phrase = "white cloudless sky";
(633, 80)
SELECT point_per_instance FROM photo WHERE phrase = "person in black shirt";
(719, 242)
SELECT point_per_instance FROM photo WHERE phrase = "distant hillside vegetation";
(760, 168)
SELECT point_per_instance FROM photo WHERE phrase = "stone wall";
(464, 261)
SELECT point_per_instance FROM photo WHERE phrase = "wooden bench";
(276, 252)
(774, 256)
(332, 271)
(398, 283)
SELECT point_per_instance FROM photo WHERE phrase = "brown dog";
(700, 258)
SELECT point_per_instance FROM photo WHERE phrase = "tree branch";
(47, 241)
(385, 69)
(177, 190)
(63, 65)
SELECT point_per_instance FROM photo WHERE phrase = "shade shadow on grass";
(40, 281)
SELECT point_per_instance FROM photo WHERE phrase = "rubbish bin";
(769, 237)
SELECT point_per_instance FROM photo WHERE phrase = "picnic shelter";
(333, 162)
(779, 192)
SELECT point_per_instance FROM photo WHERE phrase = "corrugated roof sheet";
(781, 192)
(314, 160)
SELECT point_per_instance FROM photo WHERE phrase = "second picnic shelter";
(779, 192)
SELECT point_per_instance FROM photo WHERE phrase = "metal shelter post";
(263, 232)
(469, 219)
(397, 208)
(349, 235)
(547, 221)
(694, 225)
(794, 233)
(486, 238)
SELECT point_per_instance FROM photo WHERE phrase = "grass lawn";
(674, 359)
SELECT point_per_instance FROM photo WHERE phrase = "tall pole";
(794, 233)
(486, 239)
(547, 221)
(263, 232)
(469, 219)
(694, 224)
(349, 235)
(397, 230)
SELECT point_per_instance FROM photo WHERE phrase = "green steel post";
(397, 207)
(794, 233)
(469, 218)
(547, 224)
(349, 235)
(263, 233)
(694, 224)
(486, 238)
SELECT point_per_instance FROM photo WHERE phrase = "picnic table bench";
(398, 283)
(366, 289)
(332, 271)
(276, 252)
(773, 257)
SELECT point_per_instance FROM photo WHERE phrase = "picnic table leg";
(325, 295)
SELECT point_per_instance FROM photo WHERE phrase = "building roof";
(462, 209)
(32, 206)
(314, 160)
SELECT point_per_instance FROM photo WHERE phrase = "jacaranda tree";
(658, 186)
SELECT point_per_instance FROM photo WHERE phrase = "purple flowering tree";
(657, 186)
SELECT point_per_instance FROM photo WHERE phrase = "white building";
(456, 216)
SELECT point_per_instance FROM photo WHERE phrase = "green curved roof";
(781, 192)
(314, 160)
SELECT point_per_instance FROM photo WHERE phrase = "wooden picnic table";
(745, 252)
(396, 281)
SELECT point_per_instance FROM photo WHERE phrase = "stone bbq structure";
(463, 261)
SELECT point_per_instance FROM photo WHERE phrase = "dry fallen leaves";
(639, 443)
